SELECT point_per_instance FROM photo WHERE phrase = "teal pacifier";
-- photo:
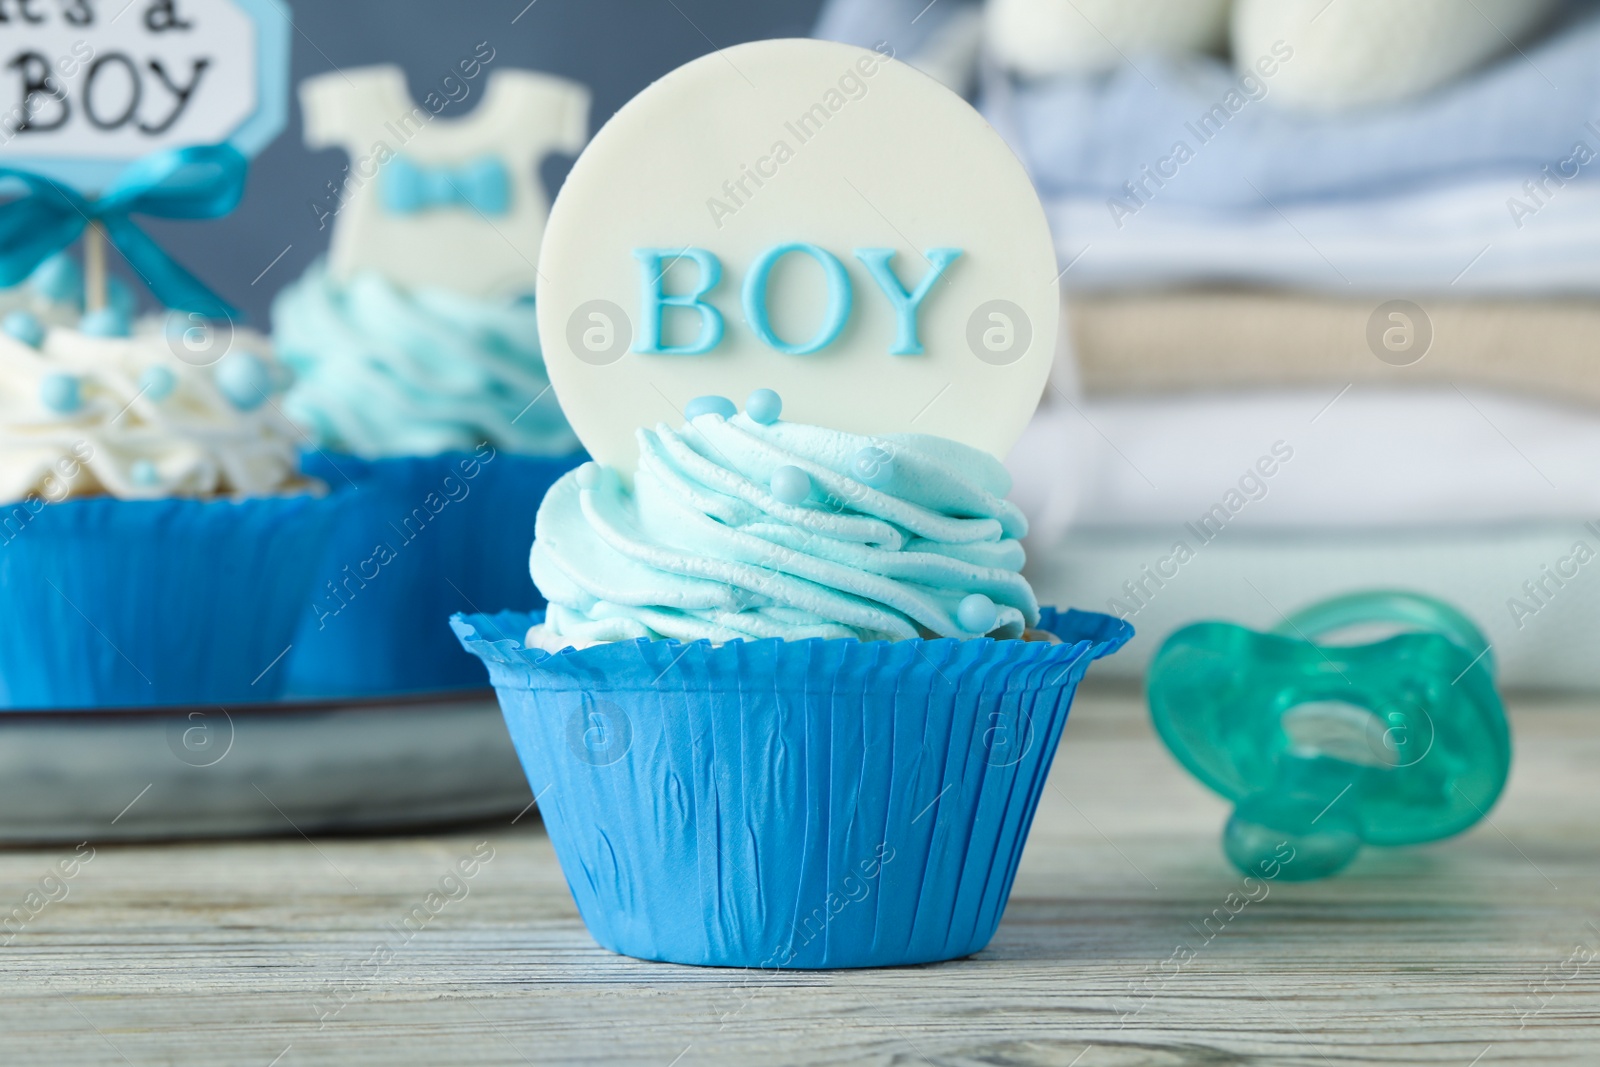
(1324, 746)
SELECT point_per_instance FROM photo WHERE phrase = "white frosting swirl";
(84, 415)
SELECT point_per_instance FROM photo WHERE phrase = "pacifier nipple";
(1296, 830)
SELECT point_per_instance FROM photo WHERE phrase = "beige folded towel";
(1231, 339)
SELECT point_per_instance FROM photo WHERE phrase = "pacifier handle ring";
(1412, 610)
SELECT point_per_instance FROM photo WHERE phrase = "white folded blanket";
(1324, 460)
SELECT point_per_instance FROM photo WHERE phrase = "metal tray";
(324, 767)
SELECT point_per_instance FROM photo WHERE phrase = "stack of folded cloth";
(1332, 302)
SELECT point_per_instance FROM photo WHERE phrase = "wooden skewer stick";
(94, 267)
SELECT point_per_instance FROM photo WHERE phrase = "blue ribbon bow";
(410, 187)
(199, 182)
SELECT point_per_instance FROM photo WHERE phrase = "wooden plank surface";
(1483, 950)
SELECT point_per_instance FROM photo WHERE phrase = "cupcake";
(157, 539)
(437, 407)
(792, 703)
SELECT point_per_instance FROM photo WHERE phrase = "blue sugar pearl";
(105, 322)
(764, 406)
(60, 393)
(122, 298)
(283, 377)
(977, 614)
(588, 475)
(791, 485)
(143, 472)
(58, 280)
(157, 383)
(24, 327)
(874, 466)
(244, 380)
(709, 405)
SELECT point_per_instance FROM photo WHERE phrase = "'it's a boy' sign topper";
(88, 86)
(808, 217)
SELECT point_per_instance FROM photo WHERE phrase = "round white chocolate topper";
(808, 217)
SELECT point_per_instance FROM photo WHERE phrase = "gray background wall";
(616, 47)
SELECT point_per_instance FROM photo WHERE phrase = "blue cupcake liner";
(808, 804)
(425, 537)
(133, 603)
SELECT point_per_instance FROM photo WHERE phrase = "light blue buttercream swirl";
(701, 547)
(380, 371)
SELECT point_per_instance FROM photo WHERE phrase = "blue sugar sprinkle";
(25, 327)
(122, 298)
(58, 280)
(60, 393)
(106, 322)
(791, 485)
(977, 614)
(874, 466)
(764, 406)
(709, 405)
(244, 380)
(157, 383)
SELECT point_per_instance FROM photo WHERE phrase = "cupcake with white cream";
(157, 538)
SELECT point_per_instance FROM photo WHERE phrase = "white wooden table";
(1483, 950)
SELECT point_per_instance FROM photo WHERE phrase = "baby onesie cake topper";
(443, 203)
(807, 216)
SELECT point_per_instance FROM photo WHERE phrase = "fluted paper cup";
(121, 603)
(805, 804)
(425, 537)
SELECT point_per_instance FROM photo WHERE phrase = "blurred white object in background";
(1041, 38)
(1281, 497)
(1360, 457)
(950, 53)
(1356, 53)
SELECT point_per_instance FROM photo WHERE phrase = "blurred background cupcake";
(418, 374)
(157, 538)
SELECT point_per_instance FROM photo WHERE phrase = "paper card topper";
(434, 202)
(88, 86)
(808, 217)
